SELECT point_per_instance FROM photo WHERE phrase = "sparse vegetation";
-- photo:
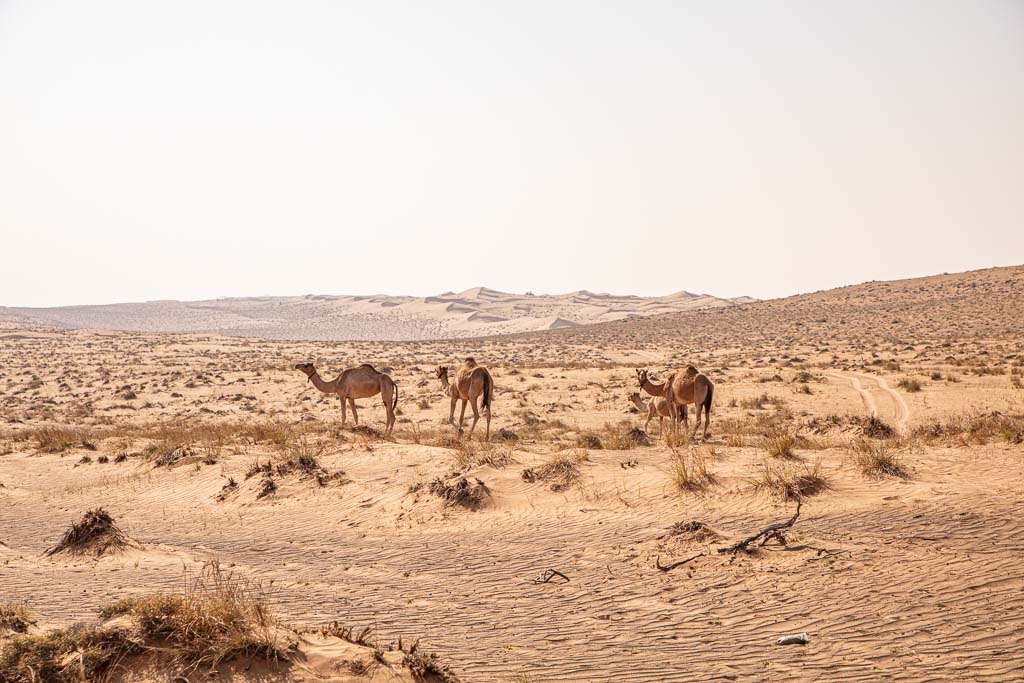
(909, 384)
(15, 617)
(780, 443)
(877, 458)
(459, 491)
(689, 469)
(790, 481)
(95, 534)
(562, 471)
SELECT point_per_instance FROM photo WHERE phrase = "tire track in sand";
(900, 412)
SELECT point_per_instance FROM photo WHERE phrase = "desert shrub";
(789, 481)
(877, 458)
(470, 454)
(589, 440)
(220, 616)
(64, 656)
(909, 384)
(460, 491)
(689, 469)
(877, 428)
(562, 471)
(779, 443)
(15, 617)
(963, 430)
(94, 534)
(57, 439)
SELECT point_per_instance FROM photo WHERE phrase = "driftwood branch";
(680, 563)
(548, 575)
(772, 531)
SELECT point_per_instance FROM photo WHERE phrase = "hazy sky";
(188, 150)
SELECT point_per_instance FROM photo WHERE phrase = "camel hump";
(367, 365)
(691, 371)
(470, 362)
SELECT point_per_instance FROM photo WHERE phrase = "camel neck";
(326, 387)
(654, 389)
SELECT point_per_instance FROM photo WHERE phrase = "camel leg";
(696, 425)
(462, 415)
(343, 415)
(487, 435)
(352, 402)
(649, 421)
(387, 396)
(476, 415)
(451, 414)
(661, 425)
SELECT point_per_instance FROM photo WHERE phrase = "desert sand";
(904, 563)
(473, 313)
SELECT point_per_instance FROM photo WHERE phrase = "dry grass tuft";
(94, 534)
(15, 617)
(877, 458)
(220, 616)
(876, 428)
(790, 482)
(426, 666)
(780, 444)
(471, 454)
(563, 471)
(57, 439)
(460, 492)
(909, 384)
(65, 656)
(690, 470)
(964, 430)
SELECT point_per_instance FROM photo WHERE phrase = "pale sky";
(190, 150)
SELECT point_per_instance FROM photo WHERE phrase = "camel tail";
(394, 401)
(488, 391)
(707, 399)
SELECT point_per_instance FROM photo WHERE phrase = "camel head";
(634, 398)
(306, 368)
(441, 372)
(641, 376)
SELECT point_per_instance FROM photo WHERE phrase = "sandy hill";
(475, 312)
(980, 303)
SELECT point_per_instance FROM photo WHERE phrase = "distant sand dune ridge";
(473, 313)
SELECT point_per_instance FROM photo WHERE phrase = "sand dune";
(475, 312)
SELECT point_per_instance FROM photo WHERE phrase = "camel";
(689, 386)
(472, 381)
(657, 407)
(361, 382)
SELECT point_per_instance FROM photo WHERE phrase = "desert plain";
(892, 413)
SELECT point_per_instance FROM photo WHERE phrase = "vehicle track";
(900, 413)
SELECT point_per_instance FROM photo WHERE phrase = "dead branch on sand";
(548, 575)
(772, 531)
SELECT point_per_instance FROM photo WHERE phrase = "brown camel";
(658, 407)
(472, 381)
(689, 386)
(361, 382)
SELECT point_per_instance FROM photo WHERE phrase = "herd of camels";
(473, 385)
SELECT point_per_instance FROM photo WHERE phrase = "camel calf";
(660, 408)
